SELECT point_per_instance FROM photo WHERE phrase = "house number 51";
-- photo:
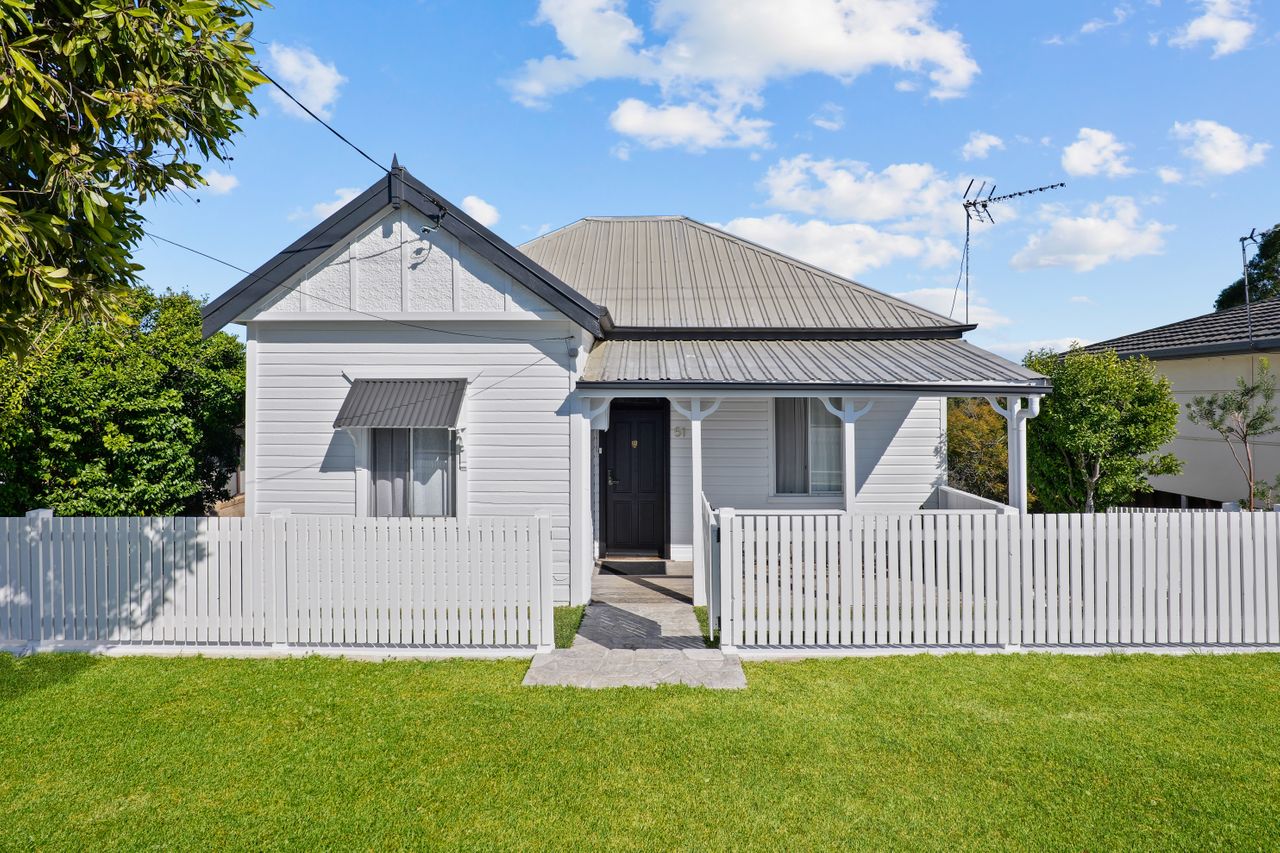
(679, 432)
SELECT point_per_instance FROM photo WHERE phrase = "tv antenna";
(978, 207)
(1256, 239)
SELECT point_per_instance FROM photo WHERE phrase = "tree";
(139, 422)
(1240, 417)
(1264, 275)
(103, 105)
(1097, 436)
(977, 451)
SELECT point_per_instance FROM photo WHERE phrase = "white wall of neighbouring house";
(1209, 470)
(900, 448)
(394, 303)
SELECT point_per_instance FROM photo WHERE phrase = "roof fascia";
(1263, 345)
(948, 388)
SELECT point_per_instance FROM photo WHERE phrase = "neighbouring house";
(1202, 356)
(615, 374)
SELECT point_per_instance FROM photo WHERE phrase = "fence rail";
(293, 581)
(1000, 580)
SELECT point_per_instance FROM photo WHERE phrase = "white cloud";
(830, 117)
(1017, 349)
(847, 249)
(713, 58)
(219, 183)
(1081, 300)
(1217, 148)
(1110, 231)
(691, 126)
(1096, 152)
(1119, 15)
(481, 211)
(980, 144)
(312, 81)
(1227, 23)
(322, 209)
(1169, 175)
(850, 189)
(940, 301)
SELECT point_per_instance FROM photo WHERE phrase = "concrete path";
(638, 631)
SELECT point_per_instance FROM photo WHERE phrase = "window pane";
(388, 472)
(826, 451)
(432, 489)
(791, 446)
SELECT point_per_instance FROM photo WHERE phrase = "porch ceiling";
(938, 366)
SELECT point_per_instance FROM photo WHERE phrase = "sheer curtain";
(388, 472)
(826, 451)
(432, 483)
(790, 446)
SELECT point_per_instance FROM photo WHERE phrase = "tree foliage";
(1097, 437)
(139, 422)
(977, 449)
(1264, 275)
(103, 105)
(1241, 417)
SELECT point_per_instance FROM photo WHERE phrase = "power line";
(326, 124)
(298, 289)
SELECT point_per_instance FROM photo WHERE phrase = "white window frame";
(809, 497)
(360, 436)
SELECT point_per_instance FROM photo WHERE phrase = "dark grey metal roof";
(402, 403)
(665, 272)
(1219, 333)
(939, 365)
(395, 188)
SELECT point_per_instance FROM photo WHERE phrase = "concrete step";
(593, 667)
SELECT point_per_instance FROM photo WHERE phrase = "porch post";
(698, 409)
(1016, 440)
(848, 415)
(580, 557)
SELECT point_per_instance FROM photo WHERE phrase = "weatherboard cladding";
(403, 403)
(1219, 332)
(671, 272)
(925, 363)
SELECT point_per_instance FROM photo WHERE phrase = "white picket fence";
(341, 585)
(999, 581)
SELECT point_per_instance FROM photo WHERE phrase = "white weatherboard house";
(405, 360)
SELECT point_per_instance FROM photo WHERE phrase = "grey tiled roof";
(1209, 334)
(937, 364)
(402, 403)
(673, 272)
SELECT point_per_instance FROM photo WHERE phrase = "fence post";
(278, 577)
(546, 609)
(39, 522)
(728, 637)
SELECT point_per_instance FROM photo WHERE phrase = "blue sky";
(839, 131)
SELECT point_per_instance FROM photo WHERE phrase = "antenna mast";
(978, 207)
(1255, 238)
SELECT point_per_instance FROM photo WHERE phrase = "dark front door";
(634, 476)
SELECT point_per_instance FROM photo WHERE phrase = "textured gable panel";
(673, 272)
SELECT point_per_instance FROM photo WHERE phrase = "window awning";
(402, 403)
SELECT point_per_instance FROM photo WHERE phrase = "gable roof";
(671, 272)
(1217, 333)
(395, 188)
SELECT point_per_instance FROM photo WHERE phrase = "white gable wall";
(393, 302)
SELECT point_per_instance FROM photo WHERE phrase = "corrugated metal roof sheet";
(1219, 332)
(670, 271)
(932, 363)
(402, 403)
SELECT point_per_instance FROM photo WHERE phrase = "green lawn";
(1019, 751)
(567, 620)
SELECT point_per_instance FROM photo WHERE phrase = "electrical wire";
(370, 314)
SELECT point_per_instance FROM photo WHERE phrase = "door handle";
(612, 480)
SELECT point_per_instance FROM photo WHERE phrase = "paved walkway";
(638, 631)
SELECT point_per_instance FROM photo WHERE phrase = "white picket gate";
(337, 584)
(999, 581)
